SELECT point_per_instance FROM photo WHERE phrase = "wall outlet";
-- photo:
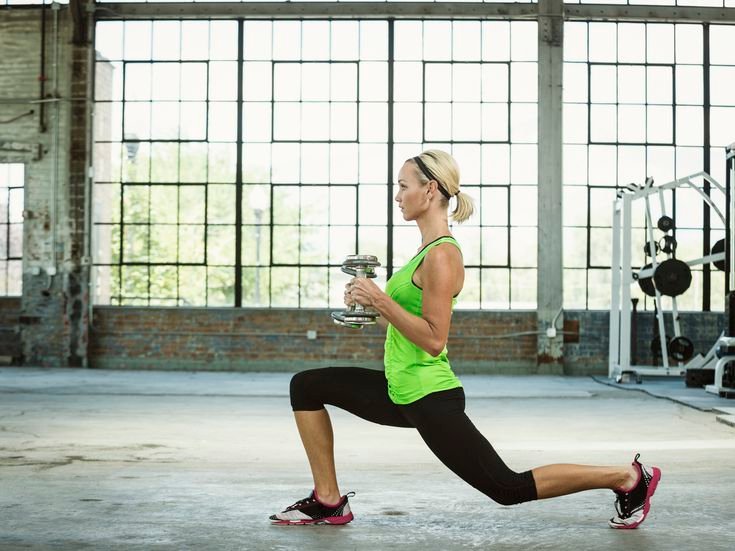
(51, 270)
(311, 334)
(551, 332)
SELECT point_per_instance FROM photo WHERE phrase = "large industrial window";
(11, 228)
(238, 163)
(470, 87)
(638, 99)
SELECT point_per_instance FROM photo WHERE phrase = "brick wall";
(171, 338)
(590, 354)
(9, 318)
(263, 340)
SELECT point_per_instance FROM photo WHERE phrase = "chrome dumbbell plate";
(357, 316)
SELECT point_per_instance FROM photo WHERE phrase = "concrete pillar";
(46, 56)
(550, 353)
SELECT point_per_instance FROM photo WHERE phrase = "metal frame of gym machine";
(723, 352)
(623, 276)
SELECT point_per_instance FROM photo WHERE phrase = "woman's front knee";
(302, 390)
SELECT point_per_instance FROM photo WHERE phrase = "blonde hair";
(445, 170)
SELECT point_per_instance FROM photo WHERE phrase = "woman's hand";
(362, 290)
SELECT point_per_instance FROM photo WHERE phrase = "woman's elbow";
(435, 348)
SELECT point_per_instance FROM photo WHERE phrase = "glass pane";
(220, 286)
(632, 42)
(314, 245)
(193, 162)
(523, 289)
(255, 284)
(192, 286)
(135, 243)
(575, 248)
(660, 43)
(373, 205)
(495, 289)
(164, 243)
(600, 247)
(689, 84)
(221, 204)
(314, 287)
(255, 245)
(134, 282)
(135, 204)
(258, 40)
(598, 289)
(221, 245)
(193, 236)
(575, 289)
(286, 244)
(342, 242)
(494, 246)
(164, 207)
(164, 162)
(575, 82)
(191, 204)
(285, 287)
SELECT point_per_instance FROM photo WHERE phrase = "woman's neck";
(431, 230)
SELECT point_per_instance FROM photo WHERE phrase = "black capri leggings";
(439, 418)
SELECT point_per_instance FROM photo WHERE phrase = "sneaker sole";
(647, 506)
(307, 522)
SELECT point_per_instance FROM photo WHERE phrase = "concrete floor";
(153, 460)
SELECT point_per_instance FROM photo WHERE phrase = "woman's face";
(413, 198)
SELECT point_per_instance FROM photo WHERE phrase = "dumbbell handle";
(360, 271)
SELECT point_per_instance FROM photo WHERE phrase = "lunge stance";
(419, 389)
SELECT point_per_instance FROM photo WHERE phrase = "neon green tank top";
(412, 373)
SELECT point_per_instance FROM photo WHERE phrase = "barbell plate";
(665, 223)
(672, 277)
(681, 349)
(647, 248)
(718, 248)
(361, 260)
(646, 283)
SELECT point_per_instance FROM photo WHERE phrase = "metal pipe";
(42, 75)
(18, 117)
(56, 140)
(89, 173)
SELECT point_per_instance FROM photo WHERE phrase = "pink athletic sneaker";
(633, 506)
(312, 511)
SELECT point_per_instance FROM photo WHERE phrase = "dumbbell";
(357, 316)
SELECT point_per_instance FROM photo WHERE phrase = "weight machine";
(724, 349)
(670, 277)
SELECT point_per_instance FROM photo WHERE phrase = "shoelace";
(301, 503)
(621, 504)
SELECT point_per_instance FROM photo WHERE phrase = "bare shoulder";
(444, 255)
(441, 266)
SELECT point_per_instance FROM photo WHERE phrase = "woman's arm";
(442, 266)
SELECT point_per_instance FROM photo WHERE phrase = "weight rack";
(623, 276)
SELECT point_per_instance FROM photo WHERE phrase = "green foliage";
(170, 191)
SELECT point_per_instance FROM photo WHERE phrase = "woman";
(418, 388)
